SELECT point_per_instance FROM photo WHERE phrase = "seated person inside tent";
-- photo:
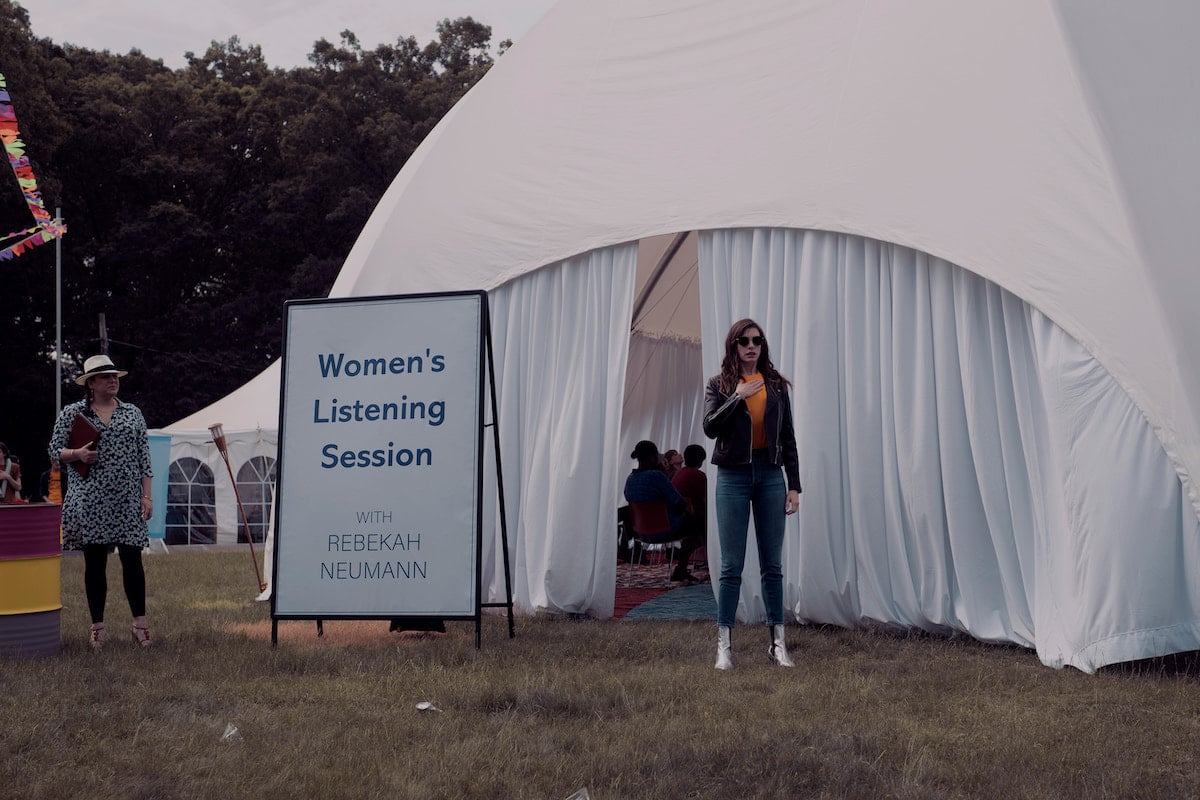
(649, 484)
(672, 463)
(691, 482)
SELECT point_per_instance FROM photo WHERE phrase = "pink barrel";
(30, 579)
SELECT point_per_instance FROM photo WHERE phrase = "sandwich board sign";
(380, 468)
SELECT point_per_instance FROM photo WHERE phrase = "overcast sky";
(286, 29)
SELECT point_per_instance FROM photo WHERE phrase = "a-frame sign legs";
(512, 630)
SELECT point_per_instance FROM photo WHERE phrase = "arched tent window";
(256, 486)
(191, 503)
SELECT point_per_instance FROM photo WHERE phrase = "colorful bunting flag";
(47, 228)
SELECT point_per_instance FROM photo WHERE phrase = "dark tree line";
(197, 200)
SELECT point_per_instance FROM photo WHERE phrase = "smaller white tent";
(250, 419)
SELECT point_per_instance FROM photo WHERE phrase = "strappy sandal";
(141, 635)
(96, 637)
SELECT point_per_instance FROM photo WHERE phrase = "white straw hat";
(99, 365)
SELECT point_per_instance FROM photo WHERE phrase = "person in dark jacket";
(748, 413)
(649, 484)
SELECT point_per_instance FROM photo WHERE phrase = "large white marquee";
(968, 228)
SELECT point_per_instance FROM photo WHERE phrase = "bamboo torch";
(218, 435)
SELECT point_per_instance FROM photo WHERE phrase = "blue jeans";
(758, 486)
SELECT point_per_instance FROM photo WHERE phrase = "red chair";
(649, 525)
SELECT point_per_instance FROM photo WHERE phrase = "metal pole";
(58, 314)
(262, 587)
(218, 437)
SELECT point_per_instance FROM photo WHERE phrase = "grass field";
(621, 709)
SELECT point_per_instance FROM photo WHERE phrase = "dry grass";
(625, 709)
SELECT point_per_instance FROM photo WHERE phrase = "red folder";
(83, 433)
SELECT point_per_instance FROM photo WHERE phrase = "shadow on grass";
(1175, 665)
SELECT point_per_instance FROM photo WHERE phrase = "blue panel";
(160, 462)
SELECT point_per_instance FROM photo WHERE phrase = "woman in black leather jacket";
(747, 411)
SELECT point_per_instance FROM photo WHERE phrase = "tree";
(27, 283)
(199, 201)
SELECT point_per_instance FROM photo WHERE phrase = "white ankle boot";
(724, 649)
(778, 649)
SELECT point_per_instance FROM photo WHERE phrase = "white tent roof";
(253, 406)
(1047, 146)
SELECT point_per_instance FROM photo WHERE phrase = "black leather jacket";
(727, 420)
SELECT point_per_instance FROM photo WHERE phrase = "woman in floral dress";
(111, 505)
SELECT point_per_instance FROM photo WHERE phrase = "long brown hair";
(731, 371)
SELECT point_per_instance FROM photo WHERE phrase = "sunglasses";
(746, 341)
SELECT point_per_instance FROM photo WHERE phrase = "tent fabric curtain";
(967, 465)
(561, 342)
(664, 401)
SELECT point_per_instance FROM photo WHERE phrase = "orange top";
(756, 404)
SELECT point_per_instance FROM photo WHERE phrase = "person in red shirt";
(691, 482)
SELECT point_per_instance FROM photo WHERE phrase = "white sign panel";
(379, 451)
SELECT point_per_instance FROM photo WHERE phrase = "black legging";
(95, 578)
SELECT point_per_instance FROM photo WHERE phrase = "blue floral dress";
(106, 506)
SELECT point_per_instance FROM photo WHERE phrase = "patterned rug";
(685, 602)
(643, 593)
(629, 598)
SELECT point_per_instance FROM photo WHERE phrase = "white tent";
(250, 419)
(966, 228)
